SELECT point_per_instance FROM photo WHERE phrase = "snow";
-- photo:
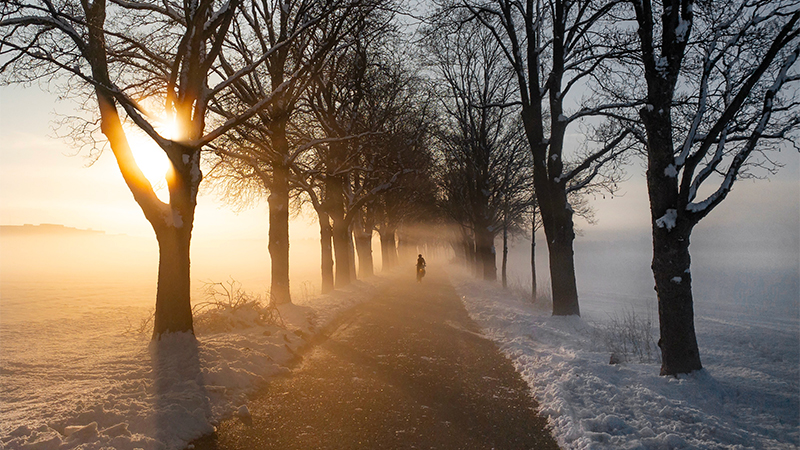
(746, 397)
(119, 390)
(173, 218)
(681, 30)
(670, 171)
(668, 219)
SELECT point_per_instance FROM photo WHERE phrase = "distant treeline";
(45, 228)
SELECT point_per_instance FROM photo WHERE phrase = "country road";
(406, 370)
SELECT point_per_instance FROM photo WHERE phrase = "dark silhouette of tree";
(554, 48)
(304, 35)
(121, 57)
(483, 163)
(718, 89)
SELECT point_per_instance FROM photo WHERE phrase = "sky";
(43, 181)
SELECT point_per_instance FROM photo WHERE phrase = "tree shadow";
(180, 401)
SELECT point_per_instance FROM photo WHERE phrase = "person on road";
(420, 268)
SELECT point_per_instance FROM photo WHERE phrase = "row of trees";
(328, 103)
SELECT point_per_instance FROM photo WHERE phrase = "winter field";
(77, 373)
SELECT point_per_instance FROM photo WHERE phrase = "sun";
(151, 159)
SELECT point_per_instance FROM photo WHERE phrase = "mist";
(53, 271)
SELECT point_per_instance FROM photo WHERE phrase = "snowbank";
(167, 393)
(747, 397)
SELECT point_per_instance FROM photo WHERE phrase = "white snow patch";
(681, 30)
(668, 220)
(745, 398)
(676, 280)
(173, 218)
(670, 171)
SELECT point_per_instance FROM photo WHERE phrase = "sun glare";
(151, 160)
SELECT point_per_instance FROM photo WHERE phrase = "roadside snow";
(131, 395)
(747, 397)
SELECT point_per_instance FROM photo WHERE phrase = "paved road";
(404, 371)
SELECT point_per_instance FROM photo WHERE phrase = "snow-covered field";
(74, 373)
(747, 396)
(83, 381)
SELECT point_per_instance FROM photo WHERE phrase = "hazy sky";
(40, 183)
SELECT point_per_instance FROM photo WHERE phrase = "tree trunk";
(388, 248)
(363, 233)
(562, 273)
(341, 248)
(279, 234)
(173, 300)
(325, 237)
(341, 231)
(678, 341)
(671, 260)
(505, 255)
(364, 248)
(560, 234)
(484, 243)
(171, 222)
(534, 287)
(555, 211)
(352, 249)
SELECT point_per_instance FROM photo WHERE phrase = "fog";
(58, 272)
(744, 265)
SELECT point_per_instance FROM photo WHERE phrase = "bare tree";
(720, 89)
(119, 55)
(554, 47)
(478, 135)
(304, 34)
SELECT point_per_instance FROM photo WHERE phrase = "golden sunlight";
(151, 160)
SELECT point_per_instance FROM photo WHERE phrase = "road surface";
(407, 370)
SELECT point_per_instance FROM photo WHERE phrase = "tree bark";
(325, 237)
(505, 255)
(388, 248)
(484, 243)
(364, 249)
(279, 234)
(341, 230)
(351, 247)
(534, 287)
(678, 341)
(173, 301)
(671, 231)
